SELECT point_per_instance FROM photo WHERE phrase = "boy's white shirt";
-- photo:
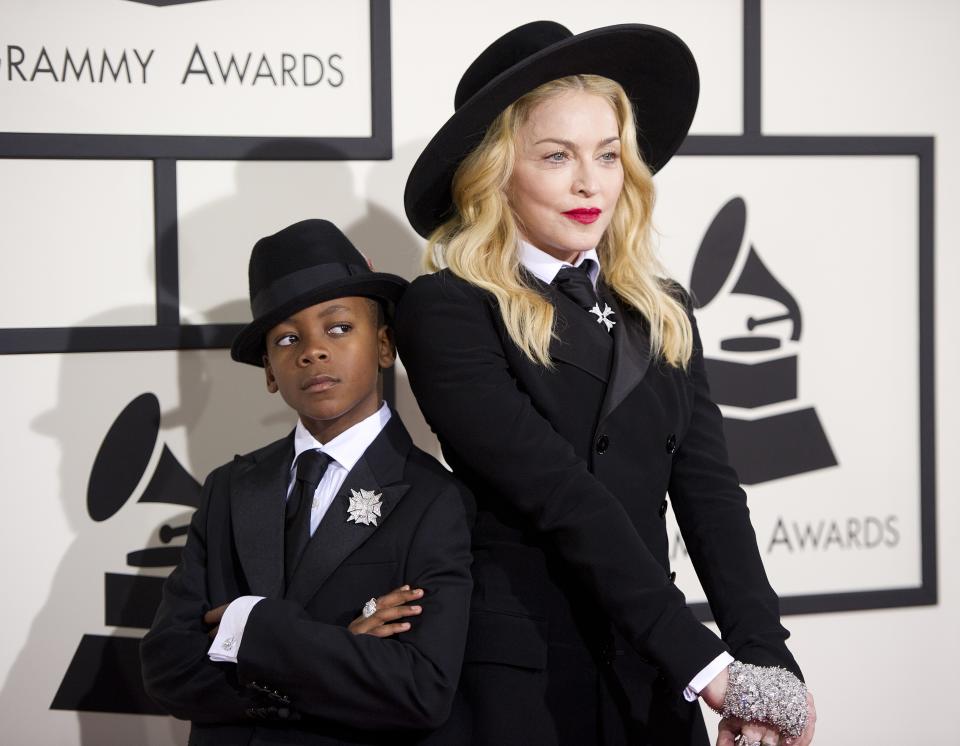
(344, 451)
(545, 267)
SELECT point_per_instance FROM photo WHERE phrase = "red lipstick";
(585, 215)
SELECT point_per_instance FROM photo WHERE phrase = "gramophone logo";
(104, 674)
(771, 435)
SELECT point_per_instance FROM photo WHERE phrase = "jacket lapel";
(631, 353)
(257, 495)
(379, 470)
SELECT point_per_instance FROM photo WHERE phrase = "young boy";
(291, 541)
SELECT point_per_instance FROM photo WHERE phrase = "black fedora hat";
(654, 66)
(306, 263)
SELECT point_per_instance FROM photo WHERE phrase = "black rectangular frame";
(921, 148)
(164, 151)
(379, 146)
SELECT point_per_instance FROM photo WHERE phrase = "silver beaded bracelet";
(766, 694)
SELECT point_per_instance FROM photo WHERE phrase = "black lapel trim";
(380, 469)
(258, 491)
(631, 352)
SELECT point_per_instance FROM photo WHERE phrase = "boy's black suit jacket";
(571, 468)
(302, 677)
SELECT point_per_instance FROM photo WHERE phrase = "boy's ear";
(271, 380)
(386, 350)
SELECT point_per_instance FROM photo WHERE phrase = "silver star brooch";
(602, 315)
(364, 507)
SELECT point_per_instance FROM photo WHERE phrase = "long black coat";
(301, 676)
(577, 632)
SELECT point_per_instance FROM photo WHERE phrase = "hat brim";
(248, 346)
(654, 66)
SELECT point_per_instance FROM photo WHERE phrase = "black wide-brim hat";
(304, 264)
(655, 68)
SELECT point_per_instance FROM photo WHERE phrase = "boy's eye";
(286, 340)
(338, 330)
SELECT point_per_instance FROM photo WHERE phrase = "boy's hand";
(394, 605)
(213, 617)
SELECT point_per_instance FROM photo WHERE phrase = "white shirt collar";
(544, 267)
(347, 448)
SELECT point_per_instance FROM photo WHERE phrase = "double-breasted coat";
(578, 633)
(302, 676)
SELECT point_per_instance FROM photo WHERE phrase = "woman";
(565, 381)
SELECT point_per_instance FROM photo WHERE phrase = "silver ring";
(370, 608)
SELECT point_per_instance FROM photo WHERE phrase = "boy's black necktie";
(574, 282)
(310, 468)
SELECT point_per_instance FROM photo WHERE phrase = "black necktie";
(574, 282)
(310, 468)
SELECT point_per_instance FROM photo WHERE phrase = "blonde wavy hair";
(479, 244)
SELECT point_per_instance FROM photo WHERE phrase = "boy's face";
(325, 362)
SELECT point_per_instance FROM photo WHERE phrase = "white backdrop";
(77, 241)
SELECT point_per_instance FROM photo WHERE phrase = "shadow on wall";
(207, 402)
(395, 247)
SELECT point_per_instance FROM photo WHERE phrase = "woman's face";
(568, 175)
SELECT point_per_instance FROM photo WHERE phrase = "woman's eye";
(610, 156)
(286, 340)
(338, 330)
(558, 157)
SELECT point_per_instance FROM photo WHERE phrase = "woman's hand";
(752, 733)
(807, 736)
(391, 607)
(715, 691)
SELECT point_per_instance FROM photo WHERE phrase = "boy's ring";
(370, 608)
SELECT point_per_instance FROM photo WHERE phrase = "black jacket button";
(672, 577)
(671, 444)
(663, 509)
(603, 442)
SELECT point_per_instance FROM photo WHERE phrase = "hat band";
(297, 283)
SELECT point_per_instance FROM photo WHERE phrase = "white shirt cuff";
(706, 675)
(226, 644)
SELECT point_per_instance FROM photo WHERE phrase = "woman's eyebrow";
(571, 145)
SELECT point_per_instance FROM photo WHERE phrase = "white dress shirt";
(344, 452)
(545, 267)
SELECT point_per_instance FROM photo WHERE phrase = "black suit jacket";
(570, 468)
(301, 676)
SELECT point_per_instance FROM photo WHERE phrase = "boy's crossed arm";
(360, 680)
(176, 670)
(395, 605)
